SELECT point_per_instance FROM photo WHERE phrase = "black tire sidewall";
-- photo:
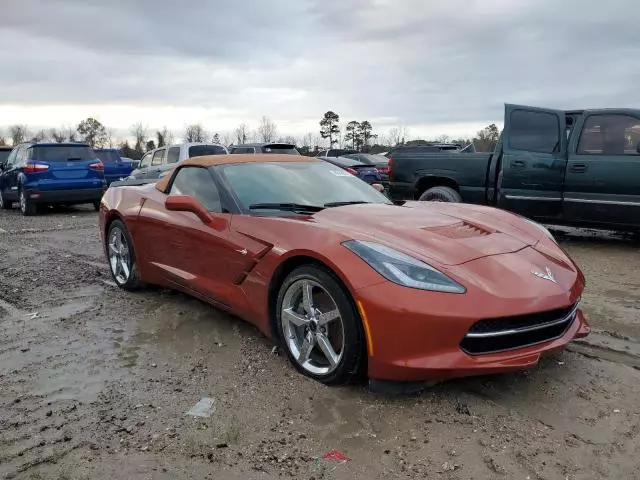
(29, 206)
(445, 194)
(133, 282)
(351, 366)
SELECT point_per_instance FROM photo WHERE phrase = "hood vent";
(459, 230)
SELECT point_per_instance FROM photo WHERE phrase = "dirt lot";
(95, 383)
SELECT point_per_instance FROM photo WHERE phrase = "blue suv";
(51, 173)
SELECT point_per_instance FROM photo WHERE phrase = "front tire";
(27, 206)
(121, 257)
(441, 194)
(320, 328)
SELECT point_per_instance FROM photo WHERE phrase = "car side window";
(146, 160)
(11, 159)
(173, 155)
(611, 134)
(158, 157)
(20, 160)
(198, 183)
(534, 131)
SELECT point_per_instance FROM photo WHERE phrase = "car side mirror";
(186, 203)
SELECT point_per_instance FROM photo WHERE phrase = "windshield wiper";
(286, 207)
(340, 204)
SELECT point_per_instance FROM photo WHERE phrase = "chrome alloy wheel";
(23, 201)
(312, 326)
(119, 258)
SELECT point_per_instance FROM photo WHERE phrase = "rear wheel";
(441, 194)
(27, 206)
(5, 204)
(122, 258)
(320, 328)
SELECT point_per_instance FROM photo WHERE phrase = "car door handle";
(578, 167)
(517, 164)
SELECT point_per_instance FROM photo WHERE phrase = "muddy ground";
(95, 383)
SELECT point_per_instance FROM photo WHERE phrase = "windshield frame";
(242, 208)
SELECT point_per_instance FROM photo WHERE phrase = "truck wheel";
(441, 194)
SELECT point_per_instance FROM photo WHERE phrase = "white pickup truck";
(156, 163)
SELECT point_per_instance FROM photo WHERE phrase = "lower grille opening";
(496, 335)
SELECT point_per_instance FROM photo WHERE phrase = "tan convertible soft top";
(212, 160)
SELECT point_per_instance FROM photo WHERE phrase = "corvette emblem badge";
(546, 275)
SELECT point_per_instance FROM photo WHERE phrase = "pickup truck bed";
(578, 168)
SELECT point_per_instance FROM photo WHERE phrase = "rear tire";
(27, 206)
(121, 257)
(96, 205)
(5, 204)
(441, 194)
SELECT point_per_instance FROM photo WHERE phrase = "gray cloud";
(409, 61)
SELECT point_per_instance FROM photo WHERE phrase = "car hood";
(432, 232)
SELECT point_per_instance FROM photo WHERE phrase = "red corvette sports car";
(345, 281)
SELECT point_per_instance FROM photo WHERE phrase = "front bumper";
(81, 195)
(416, 336)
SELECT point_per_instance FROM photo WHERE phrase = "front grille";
(507, 333)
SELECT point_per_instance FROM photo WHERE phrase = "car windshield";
(4, 154)
(108, 156)
(201, 150)
(61, 153)
(299, 183)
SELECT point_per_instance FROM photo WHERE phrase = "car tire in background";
(96, 205)
(27, 206)
(441, 194)
(5, 204)
(299, 329)
(121, 257)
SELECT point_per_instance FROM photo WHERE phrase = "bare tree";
(443, 139)
(164, 137)
(267, 130)
(307, 141)
(39, 136)
(227, 139)
(195, 133)
(56, 135)
(69, 133)
(110, 140)
(241, 133)
(139, 133)
(18, 134)
(3, 140)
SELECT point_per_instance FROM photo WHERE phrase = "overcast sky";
(436, 67)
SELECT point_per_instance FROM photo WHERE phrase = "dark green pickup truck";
(579, 168)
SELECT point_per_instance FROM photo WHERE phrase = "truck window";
(157, 157)
(173, 155)
(534, 131)
(146, 161)
(610, 135)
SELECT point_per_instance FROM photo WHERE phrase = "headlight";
(403, 269)
(542, 228)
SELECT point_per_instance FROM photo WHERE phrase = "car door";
(531, 175)
(602, 182)
(6, 174)
(12, 186)
(145, 163)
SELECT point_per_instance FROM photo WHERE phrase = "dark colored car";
(368, 173)
(346, 282)
(280, 148)
(336, 152)
(379, 161)
(51, 173)
(115, 167)
(577, 168)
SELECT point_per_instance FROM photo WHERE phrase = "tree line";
(357, 135)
